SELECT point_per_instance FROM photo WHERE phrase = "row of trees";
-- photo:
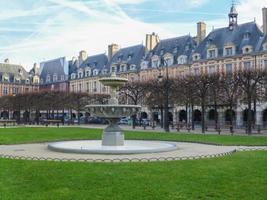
(51, 102)
(213, 90)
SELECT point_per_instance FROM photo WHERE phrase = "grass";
(31, 135)
(240, 176)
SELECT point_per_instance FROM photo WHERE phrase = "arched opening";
(5, 115)
(197, 116)
(229, 114)
(155, 116)
(212, 114)
(264, 118)
(144, 115)
(170, 116)
(26, 116)
(182, 116)
(16, 115)
(245, 116)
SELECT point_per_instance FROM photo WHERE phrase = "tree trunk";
(192, 117)
(161, 117)
(249, 119)
(203, 127)
(231, 127)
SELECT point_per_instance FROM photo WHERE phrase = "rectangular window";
(54, 78)
(229, 68)
(211, 53)
(247, 65)
(212, 69)
(196, 71)
(229, 51)
(5, 91)
(80, 87)
(62, 77)
(265, 64)
(87, 87)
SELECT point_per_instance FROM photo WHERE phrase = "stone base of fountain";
(113, 135)
(96, 147)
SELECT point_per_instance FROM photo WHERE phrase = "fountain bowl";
(113, 111)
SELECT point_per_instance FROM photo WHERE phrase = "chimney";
(151, 41)
(6, 61)
(82, 56)
(112, 49)
(264, 19)
(201, 31)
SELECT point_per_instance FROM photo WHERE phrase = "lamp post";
(166, 96)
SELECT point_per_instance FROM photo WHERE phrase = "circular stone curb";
(185, 151)
(117, 159)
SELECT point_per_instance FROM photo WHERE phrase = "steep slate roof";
(136, 52)
(52, 67)
(222, 36)
(184, 45)
(99, 62)
(13, 70)
(168, 46)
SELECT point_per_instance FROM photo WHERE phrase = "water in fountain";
(113, 137)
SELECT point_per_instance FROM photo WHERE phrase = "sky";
(32, 31)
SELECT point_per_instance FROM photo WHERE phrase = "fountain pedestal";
(113, 134)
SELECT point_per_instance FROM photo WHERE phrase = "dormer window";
(247, 49)
(228, 51)
(130, 56)
(212, 53)
(122, 68)
(144, 65)
(196, 56)
(182, 60)
(161, 52)
(73, 76)
(95, 73)
(80, 74)
(54, 78)
(87, 73)
(48, 79)
(132, 67)
(265, 47)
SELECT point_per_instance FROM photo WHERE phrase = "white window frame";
(182, 60)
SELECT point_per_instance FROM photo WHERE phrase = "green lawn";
(240, 176)
(28, 135)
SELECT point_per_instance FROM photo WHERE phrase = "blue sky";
(37, 30)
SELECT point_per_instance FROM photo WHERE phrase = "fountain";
(113, 137)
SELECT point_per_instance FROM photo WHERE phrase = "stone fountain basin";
(113, 111)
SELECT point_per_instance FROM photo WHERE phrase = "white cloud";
(250, 9)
